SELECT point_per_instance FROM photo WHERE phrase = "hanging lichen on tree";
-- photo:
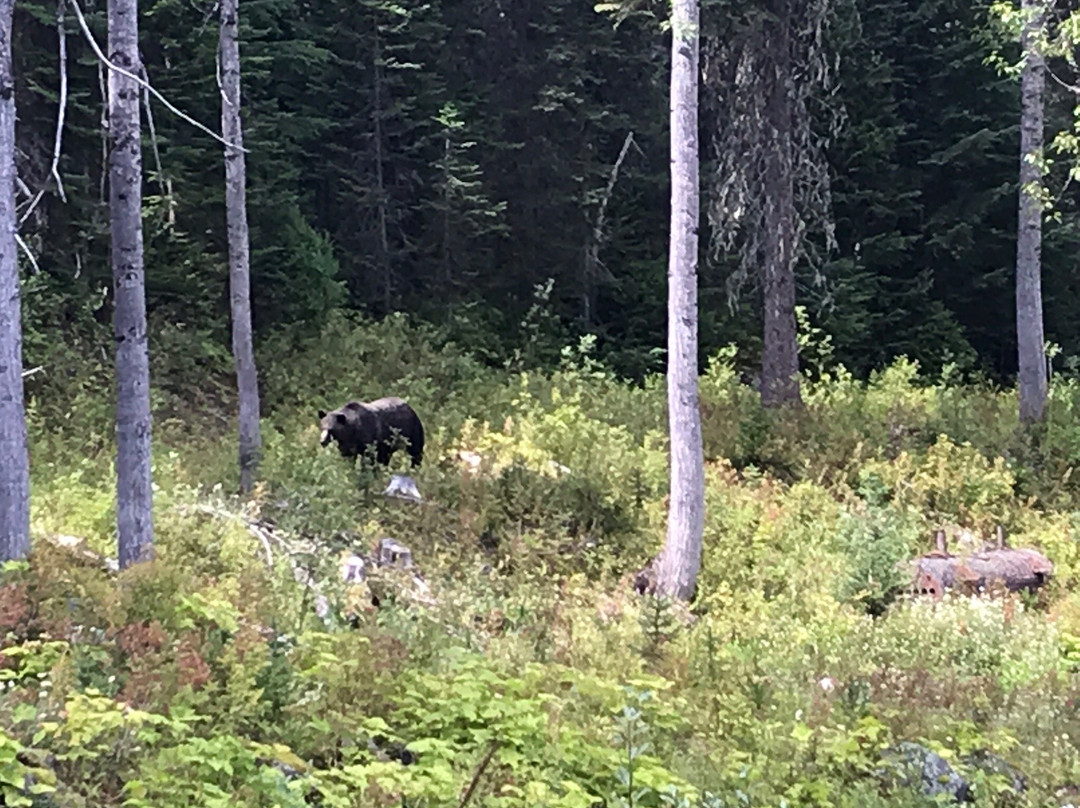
(769, 78)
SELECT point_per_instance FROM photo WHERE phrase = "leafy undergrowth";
(537, 677)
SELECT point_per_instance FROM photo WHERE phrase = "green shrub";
(876, 540)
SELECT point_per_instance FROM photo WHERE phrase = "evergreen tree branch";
(146, 85)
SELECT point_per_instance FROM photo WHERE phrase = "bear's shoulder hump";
(387, 403)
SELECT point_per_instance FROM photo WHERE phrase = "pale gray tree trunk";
(678, 564)
(134, 497)
(14, 460)
(1031, 351)
(780, 355)
(247, 379)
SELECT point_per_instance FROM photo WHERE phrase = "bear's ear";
(340, 417)
(322, 414)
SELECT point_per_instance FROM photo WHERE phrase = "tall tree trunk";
(384, 240)
(247, 378)
(14, 461)
(1030, 341)
(134, 497)
(680, 560)
(780, 357)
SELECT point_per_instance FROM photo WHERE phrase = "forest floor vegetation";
(535, 676)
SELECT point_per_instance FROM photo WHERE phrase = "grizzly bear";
(381, 425)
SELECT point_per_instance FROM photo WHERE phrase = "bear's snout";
(324, 439)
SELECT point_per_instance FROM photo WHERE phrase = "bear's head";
(331, 424)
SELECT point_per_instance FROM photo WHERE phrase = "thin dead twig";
(480, 769)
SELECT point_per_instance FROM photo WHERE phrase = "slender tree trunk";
(384, 240)
(680, 560)
(134, 498)
(780, 357)
(589, 261)
(247, 377)
(14, 460)
(446, 273)
(1030, 341)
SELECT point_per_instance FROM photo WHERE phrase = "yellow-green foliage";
(949, 484)
(536, 676)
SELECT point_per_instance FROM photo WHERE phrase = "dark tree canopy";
(449, 160)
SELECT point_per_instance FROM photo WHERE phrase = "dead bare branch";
(117, 69)
(57, 144)
(29, 255)
(599, 236)
(492, 748)
(153, 130)
(592, 252)
(54, 170)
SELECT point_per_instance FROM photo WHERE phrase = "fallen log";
(1015, 569)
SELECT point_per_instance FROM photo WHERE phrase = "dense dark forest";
(449, 160)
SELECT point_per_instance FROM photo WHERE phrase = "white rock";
(352, 569)
(403, 486)
(471, 459)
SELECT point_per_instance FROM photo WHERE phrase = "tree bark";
(780, 356)
(247, 378)
(1030, 341)
(680, 560)
(134, 497)
(14, 459)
